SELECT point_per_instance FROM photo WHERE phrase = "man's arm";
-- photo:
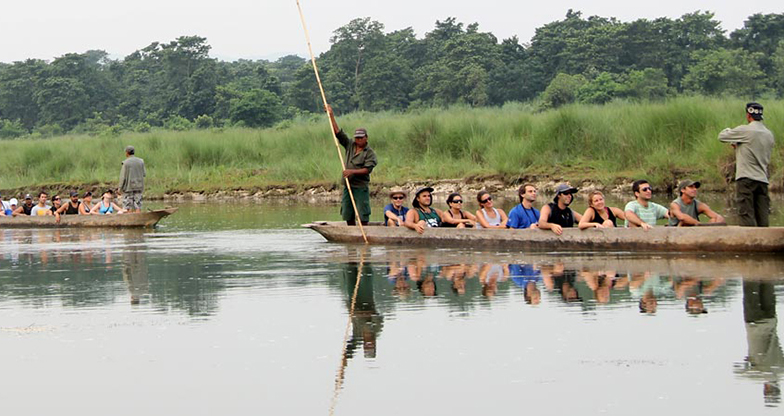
(684, 219)
(544, 225)
(737, 135)
(713, 215)
(123, 177)
(341, 136)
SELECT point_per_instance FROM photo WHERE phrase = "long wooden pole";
(334, 136)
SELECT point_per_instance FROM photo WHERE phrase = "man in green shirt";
(753, 144)
(642, 212)
(360, 160)
(686, 209)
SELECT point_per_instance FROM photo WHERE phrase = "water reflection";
(765, 361)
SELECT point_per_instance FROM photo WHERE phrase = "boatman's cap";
(754, 110)
(687, 183)
(28, 196)
(130, 150)
(360, 133)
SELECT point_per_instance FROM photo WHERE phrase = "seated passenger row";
(73, 207)
(554, 216)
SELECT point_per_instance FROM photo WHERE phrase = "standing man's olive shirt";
(366, 158)
(132, 175)
(752, 154)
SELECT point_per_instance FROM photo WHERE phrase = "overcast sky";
(46, 29)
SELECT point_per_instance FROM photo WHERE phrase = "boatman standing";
(753, 144)
(360, 161)
(132, 180)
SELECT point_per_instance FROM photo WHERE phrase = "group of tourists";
(131, 185)
(753, 144)
(554, 216)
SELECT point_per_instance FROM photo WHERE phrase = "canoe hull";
(730, 239)
(134, 220)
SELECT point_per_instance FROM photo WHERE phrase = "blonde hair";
(593, 194)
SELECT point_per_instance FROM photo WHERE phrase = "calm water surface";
(242, 312)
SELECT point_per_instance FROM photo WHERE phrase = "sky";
(267, 29)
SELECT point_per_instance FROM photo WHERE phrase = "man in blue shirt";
(524, 215)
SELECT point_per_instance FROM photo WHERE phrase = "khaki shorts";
(132, 200)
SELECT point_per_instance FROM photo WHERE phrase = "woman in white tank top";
(488, 216)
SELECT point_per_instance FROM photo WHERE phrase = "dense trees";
(592, 60)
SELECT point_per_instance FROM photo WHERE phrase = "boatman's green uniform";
(753, 146)
(366, 158)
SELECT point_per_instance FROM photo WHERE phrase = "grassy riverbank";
(602, 144)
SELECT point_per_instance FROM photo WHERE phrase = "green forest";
(176, 85)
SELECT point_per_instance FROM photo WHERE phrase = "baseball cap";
(686, 183)
(360, 133)
(755, 110)
(28, 196)
(73, 194)
(13, 201)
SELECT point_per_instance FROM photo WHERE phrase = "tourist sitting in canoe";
(106, 205)
(422, 215)
(57, 202)
(87, 203)
(524, 215)
(455, 217)
(395, 212)
(5, 208)
(685, 210)
(557, 215)
(41, 209)
(642, 212)
(598, 215)
(26, 208)
(488, 216)
(69, 208)
(13, 203)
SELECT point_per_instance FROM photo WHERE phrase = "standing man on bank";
(360, 161)
(753, 144)
(132, 180)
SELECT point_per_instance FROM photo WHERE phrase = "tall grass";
(660, 141)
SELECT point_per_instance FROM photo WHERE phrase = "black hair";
(451, 197)
(637, 183)
(480, 195)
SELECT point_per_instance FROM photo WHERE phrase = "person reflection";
(601, 282)
(134, 274)
(366, 322)
(693, 290)
(765, 361)
(397, 275)
(526, 276)
(490, 275)
(423, 275)
(556, 277)
(457, 274)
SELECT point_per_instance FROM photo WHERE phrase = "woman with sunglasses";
(395, 212)
(488, 216)
(455, 217)
(598, 215)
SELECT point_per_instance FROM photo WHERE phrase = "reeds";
(622, 140)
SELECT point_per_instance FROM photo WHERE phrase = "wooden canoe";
(132, 220)
(729, 239)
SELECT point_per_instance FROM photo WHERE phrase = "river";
(232, 308)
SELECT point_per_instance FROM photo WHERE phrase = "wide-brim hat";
(396, 191)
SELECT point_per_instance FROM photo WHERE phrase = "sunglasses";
(55, 199)
(484, 201)
(457, 201)
(646, 189)
(397, 197)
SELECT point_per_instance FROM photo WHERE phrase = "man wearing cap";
(360, 160)
(422, 216)
(70, 208)
(557, 215)
(524, 215)
(26, 208)
(132, 176)
(753, 144)
(395, 212)
(685, 209)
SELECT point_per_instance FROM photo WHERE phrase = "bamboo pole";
(334, 136)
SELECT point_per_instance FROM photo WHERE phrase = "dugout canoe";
(727, 239)
(127, 220)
